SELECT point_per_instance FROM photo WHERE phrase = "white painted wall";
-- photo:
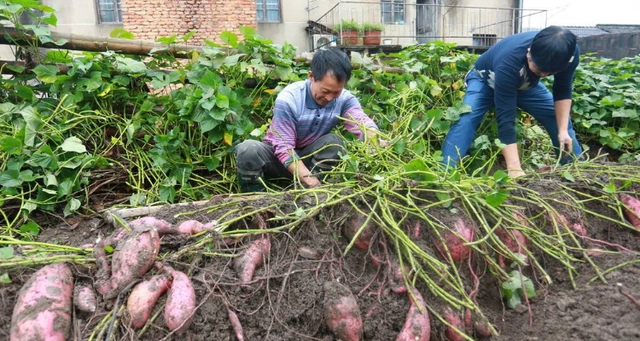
(79, 17)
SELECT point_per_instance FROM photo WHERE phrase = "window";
(268, 10)
(393, 11)
(109, 11)
(482, 39)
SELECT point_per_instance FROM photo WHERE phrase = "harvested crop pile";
(278, 267)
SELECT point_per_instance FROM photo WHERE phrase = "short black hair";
(332, 61)
(553, 48)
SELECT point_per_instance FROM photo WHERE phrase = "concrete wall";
(491, 17)
(458, 22)
(614, 46)
(291, 29)
(79, 17)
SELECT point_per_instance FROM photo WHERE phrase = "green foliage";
(348, 25)
(516, 288)
(372, 26)
(607, 103)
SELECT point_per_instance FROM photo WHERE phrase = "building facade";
(465, 22)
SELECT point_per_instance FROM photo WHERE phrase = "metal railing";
(409, 24)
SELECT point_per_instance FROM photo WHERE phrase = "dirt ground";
(285, 299)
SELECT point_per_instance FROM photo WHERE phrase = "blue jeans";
(536, 101)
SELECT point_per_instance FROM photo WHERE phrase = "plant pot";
(371, 37)
(349, 37)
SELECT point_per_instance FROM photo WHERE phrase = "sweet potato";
(631, 209)
(235, 324)
(396, 277)
(417, 326)
(577, 227)
(416, 230)
(454, 320)
(131, 259)
(84, 298)
(161, 225)
(353, 225)
(143, 298)
(253, 257)
(190, 227)
(476, 325)
(181, 302)
(104, 267)
(481, 330)
(455, 240)
(341, 312)
(515, 241)
(43, 308)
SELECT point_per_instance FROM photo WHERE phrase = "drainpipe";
(518, 19)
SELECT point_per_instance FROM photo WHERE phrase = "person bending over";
(507, 77)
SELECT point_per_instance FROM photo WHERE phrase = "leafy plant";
(348, 25)
(372, 26)
(516, 288)
(607, 104)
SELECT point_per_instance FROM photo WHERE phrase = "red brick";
(150, 20)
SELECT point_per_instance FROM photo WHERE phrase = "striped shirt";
(299, 121)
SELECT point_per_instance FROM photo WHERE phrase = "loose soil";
(285, 299)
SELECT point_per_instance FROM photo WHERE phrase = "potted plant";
(372, 33)
(348, 31)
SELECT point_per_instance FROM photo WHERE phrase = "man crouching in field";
(299, 143)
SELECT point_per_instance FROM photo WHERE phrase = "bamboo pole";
(10, 36)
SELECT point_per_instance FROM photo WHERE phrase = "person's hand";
(565, 142)
(514, 173)
(311, 181)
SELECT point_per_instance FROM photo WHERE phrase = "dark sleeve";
(563, 81)
(506, 101)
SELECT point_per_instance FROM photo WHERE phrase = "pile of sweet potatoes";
(44, 307)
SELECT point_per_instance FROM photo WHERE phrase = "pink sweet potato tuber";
(481, 329)
(515, 241)
(354, 224)
(104, 267)
(143, 298)
(253, 257)
(475, 325)
(577, 227)
(341, 312)
(631, 209)
(161, 225)
(456, 321)
(396, 277)
(84, 298)
(44, 305)
(131, 259)
(235, 324)
(417, 326)
(455, 240)
(190, 227)
(181, 302)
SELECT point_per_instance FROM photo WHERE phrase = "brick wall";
(151, 19)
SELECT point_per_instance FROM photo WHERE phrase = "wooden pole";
(9, 36)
